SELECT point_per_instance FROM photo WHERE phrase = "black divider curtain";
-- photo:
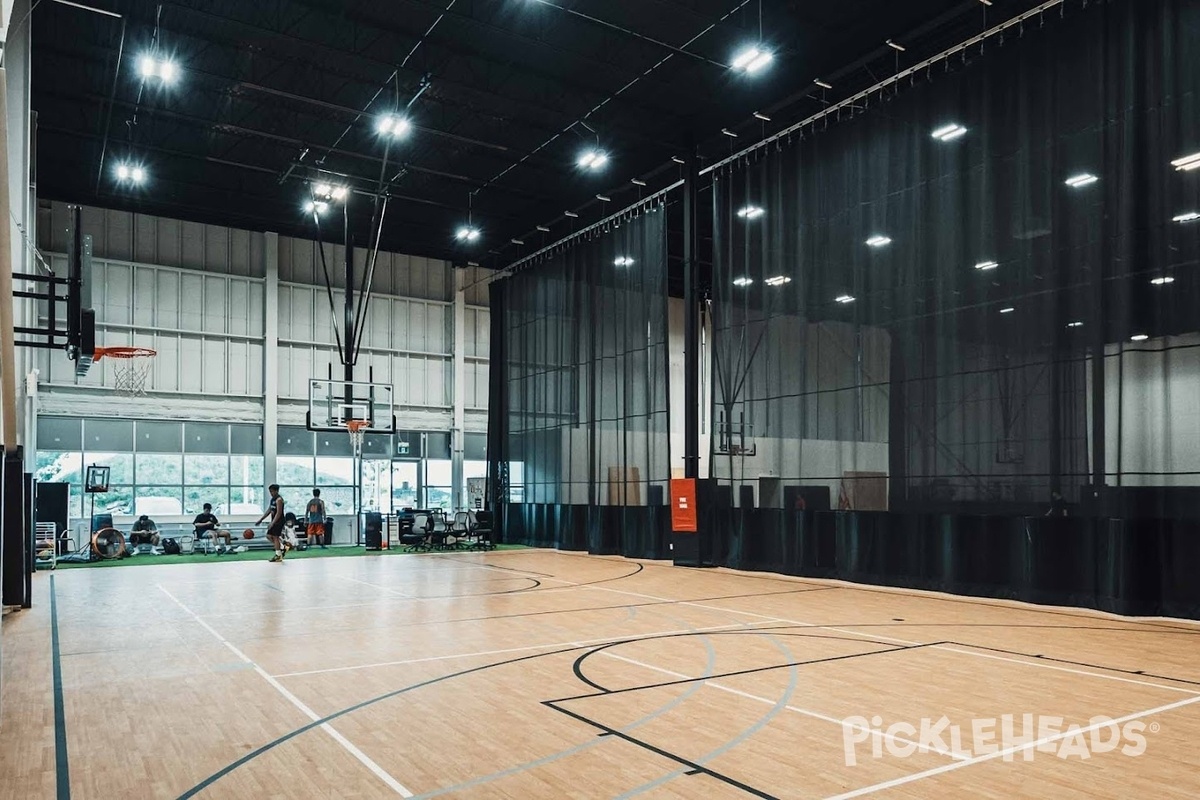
(979, 288)
(579, 392)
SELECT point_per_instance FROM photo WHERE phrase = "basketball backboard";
(333, 403)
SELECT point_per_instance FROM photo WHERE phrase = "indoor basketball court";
(599, 399)
(541, 674)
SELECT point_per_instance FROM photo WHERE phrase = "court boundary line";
(62, 764)
(709, 681)
(906, 641)
(346, 744)
(540, 613)
(927, 594)
(696, 769)
(878, 787)
(550, 646)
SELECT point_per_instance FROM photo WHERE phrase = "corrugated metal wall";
(195, 293)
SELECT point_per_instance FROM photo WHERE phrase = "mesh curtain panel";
(583, 377)
(914, 317)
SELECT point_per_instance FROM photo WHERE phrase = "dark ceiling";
(274, 95)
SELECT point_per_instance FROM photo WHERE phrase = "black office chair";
(415, 538)
(481, 527)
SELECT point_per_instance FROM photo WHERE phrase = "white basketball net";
(131, 374)
(358, 431)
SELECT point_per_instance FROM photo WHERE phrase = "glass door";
(406, 484)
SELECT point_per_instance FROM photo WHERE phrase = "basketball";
(248, 533)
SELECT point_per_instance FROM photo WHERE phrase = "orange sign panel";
(683, 505)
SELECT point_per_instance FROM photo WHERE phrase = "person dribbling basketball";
(275, 529)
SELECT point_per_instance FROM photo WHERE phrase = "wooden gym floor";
(535, 674)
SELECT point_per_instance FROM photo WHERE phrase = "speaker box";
(373, 530)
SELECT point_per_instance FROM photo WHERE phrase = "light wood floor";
(534, 674)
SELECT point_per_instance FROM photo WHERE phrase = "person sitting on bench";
(144, 531)
(207, 525)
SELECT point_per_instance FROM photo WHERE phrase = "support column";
(8, 352)
(271, 358)
(691, 325)
(457, 434)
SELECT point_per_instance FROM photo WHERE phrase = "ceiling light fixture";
(985, 266)
(879, 241)
(678, 160)
(517, 241)
(949, 133)
(1007, 310)
(623, 261)
(130, 173)
(603, 199)
(1075, 324)
(750, 212)
(742, 281)
(163, 69)
(1187, 163)
(392, 125)
(467, 234)
(823, 84)
(1191, 216)
(592, 159)
(728, 132)
(751, 60)
(1163, 281)
(543, 229)
(1139, 337)
(316, 207)
(570, 214)
(844, 299)
(1082, 179)
(778, 280)
(328, 192)
(897, 47)
(762, 116)
(637, 182)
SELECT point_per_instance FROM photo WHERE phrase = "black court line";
(693, 767)
(1040, 657)
(1003, 603)
(253, 754)
(62, 768)
(540, 613)
(445, 557)
(602, 691)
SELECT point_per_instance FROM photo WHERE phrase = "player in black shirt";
(275, 529)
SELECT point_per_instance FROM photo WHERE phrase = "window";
(438, 484)
(159, 468)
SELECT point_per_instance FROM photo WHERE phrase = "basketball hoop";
(357, 429)
(131, 365)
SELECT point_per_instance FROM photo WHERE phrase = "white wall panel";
(124, 236)
(194, 292)
(166, 299)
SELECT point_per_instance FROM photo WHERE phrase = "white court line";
(362, 757)
(1036, 664)
(1058, 668)
(878, 787)
(582, 643)
(798, 710)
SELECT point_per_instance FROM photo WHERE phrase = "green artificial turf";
(337, 551)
